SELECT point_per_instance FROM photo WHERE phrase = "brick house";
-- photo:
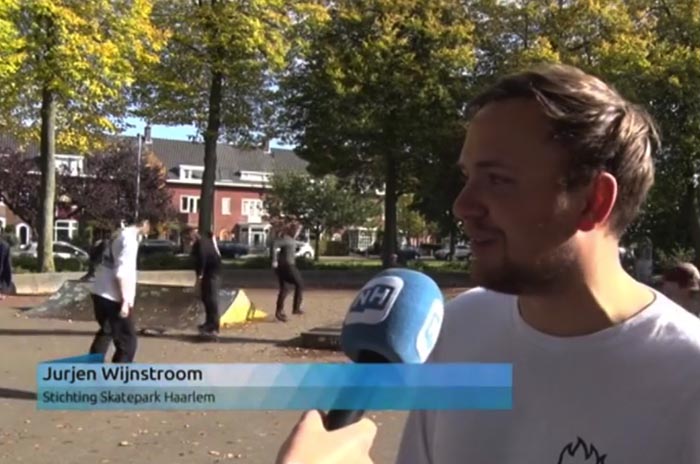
(242, 178)
(65, 227)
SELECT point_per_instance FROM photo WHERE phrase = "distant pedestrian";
(207, 262)
(114, 291)
(95, 258)
(681, 283)
(284, 264)
(7, 287)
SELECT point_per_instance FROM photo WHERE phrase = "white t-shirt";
(629, 394)
(125, 249)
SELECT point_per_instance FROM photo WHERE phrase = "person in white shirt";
(606, 369)
(114, 290)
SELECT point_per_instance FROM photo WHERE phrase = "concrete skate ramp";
(157, 308)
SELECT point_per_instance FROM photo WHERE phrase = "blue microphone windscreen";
(398, 315)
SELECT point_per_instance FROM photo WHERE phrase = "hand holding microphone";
(396, 318)
(311, 443)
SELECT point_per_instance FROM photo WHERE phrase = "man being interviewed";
(556, 166)
(114, 291)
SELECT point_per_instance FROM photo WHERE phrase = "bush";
(334, 248)
(165, 262)
(23, 264)
(678, 254)
(69, 265)
(10, 238)
(257, 262)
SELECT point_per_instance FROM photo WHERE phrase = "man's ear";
(602, 194)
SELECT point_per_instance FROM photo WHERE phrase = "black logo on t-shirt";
(579, 453)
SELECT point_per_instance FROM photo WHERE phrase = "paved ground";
(38, 437)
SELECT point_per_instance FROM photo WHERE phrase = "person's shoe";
(281, 317)
(298, 311)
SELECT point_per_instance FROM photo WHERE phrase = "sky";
(174, 132)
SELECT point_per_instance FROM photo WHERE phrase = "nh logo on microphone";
(375, 301)
(375, 297)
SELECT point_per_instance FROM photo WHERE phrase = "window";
(69, 164)
(189, 204)
(3, 223)
(252, 208)
(191, 172)
(65, 229)
(226, 206)
(253, 176)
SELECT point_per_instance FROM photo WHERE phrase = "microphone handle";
(339, 418)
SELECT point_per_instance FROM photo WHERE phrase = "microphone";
(396, 318)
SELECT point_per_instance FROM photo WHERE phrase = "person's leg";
(103, 336)
(295, 276)
(281, 296)
(210, 298)
(124, 334)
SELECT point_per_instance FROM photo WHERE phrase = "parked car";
(231, 249)
(461, 252)
(61, 249)
(305, 250)
(157, 246)
(408, 253)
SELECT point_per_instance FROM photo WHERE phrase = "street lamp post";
(145, 138)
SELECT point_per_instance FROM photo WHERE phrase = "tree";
(378, 82)
(216, 73)
(319, 204)
(19, 189)
(649, 50)
(411, 223)
(440, 186)
(111, 177)
(68, 65)
(105, 194)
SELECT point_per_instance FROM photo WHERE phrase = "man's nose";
(468, 204)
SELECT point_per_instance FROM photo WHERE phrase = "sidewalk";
(37, 437)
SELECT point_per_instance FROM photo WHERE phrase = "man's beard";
(540, 277)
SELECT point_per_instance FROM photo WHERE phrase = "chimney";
(147, 135)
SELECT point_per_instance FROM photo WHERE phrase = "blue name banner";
(440, 386)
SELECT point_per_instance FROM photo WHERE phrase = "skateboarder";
(207, 259)
(6, 285)
(284, 264)
(114, 291)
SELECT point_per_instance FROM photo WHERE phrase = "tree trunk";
(453, 242)
(390, 200)
(211, 137)
(48, 181)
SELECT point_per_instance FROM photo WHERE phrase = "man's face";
(514, 208)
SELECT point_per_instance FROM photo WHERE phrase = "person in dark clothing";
(7, 287)
(284, 263)
(96, 253)
(207, 261)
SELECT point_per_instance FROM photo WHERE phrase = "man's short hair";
(601, 129)
(685, 275)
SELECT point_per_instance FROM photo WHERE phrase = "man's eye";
(498, 180)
